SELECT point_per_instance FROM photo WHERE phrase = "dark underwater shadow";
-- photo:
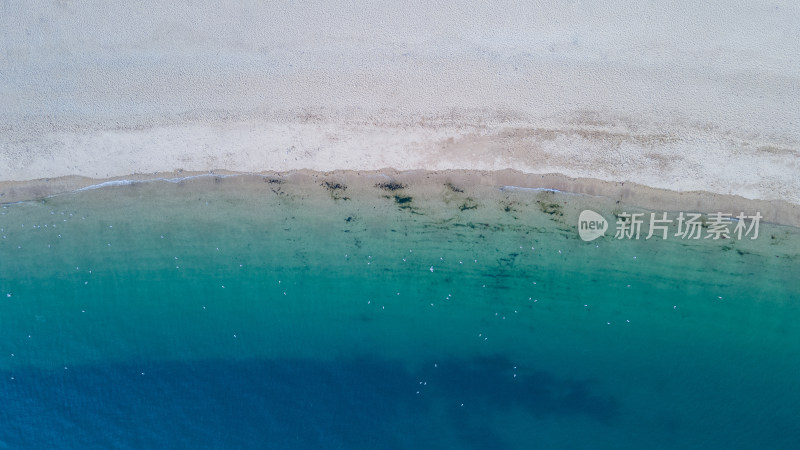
(289, 403)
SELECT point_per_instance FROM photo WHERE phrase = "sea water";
(251, 312)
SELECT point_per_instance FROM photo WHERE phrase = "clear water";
(247, 314)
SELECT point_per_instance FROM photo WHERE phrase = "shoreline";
(663, 154)
(629, 194)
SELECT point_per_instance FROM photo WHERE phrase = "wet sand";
(595, 193)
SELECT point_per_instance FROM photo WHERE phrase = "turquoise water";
(244, 313)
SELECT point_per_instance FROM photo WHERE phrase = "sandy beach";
(585, 96)
(368, 224)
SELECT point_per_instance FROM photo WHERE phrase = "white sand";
(682, 96)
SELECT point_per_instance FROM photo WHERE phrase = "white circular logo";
(591, 225)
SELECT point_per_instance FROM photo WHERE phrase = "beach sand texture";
(680, 96)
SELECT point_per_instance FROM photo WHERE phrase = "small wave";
(112, 183)
(107, 184)
(175, 180)
(520, 188)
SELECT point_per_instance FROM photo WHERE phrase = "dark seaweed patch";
(391, 186)
(550, 208)
(404, 202)
(336, 190)
(333, 186)
(508, 207)
(453, 187)
(468, 204)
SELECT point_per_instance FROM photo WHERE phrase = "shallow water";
(249, 313)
